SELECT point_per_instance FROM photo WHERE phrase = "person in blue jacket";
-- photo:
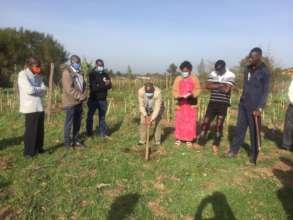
(254, 96)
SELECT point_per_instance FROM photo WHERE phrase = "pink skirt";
(185, 125)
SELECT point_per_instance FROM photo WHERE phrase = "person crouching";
(151, 110)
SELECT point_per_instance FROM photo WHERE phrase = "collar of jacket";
(72, 72)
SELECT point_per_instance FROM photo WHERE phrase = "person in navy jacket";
(254, 96)
(100, 83)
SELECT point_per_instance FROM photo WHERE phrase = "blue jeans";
(93, 105)
(73, 117)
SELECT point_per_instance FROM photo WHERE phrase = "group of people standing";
(186, 90)
(74, 94)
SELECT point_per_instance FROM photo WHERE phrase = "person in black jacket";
(99, 83)
(254, 96)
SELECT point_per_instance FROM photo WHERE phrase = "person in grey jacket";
(31, 90)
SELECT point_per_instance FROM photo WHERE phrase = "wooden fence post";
(49, 103)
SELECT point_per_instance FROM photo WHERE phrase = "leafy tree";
(201, 68)
(18, 44)
(129, 73)
(172, 69)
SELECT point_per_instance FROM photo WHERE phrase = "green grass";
(111, 180)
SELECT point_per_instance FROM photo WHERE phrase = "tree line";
(18, 44)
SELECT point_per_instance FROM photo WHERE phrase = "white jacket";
(31, 89)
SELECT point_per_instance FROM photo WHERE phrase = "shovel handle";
(147, 143)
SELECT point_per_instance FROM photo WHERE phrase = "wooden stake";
(49, 103)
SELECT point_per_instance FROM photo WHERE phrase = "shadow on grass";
(166, 133)
(123, 206)
(220, 206)
(285, 194)
(4, 182)
(115, 127)
(274, 135)
(54, 148)
(6, 142)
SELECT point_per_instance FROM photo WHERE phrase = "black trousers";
(214, 109)
(34, 133)
(288, 128)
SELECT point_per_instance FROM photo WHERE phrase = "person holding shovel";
(253, 99)
(151, 110)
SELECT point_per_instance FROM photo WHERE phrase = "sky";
(149, 35)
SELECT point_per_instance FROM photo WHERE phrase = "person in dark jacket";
(99, 84)
(254, 96)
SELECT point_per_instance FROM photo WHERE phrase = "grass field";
(110, 179)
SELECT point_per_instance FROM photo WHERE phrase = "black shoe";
(252, 161)
(89, 134)
(41, 151)
(286, 148)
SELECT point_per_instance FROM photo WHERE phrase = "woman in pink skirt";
(186, 89)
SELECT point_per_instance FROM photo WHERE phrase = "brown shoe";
(215, 149)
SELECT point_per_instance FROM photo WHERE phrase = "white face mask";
(149, 94)
(184, 74)
(100, 68)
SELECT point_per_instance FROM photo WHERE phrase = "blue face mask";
(76, 66)
(149, 94)
(184, 74)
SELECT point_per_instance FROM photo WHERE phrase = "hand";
(83, 97)
(148, 120)
(224, 88)
(257, 113)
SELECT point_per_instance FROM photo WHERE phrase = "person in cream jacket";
(31, 90)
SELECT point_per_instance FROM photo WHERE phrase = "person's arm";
(27, 87)
(196, 90)
(42, 91)
(68, 88)
(108, 83)
(290, 92)
(213, 85)
(102, 86)
(92, 82)
(157, 106)
(140, 104)
(266, 87)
